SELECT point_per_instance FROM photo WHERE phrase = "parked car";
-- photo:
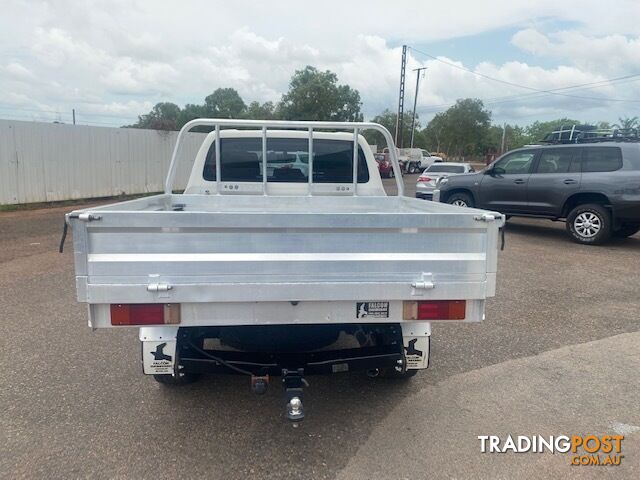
(406, 164)
(253, 273)
(293, 165)
(594, 187)
(384, 165)
(416, 159)
(430, 158)
(427, 180)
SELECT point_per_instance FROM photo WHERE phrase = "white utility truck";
(283, 257)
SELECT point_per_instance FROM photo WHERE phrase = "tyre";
(461, 199)
(393, 373)
(626, 231)
(412, 168)
(182, 379)
(589, 224)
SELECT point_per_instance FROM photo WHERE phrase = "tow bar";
(293, 381)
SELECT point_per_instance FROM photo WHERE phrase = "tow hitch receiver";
(293, 381)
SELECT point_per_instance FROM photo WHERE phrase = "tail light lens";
(424, 179)
(145, 313)
(435, 310)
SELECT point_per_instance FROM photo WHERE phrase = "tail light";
(435, 310)
(424, 179)
(145, 313)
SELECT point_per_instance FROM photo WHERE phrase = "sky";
(112, 61)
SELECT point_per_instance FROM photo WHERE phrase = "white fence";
(44, 162)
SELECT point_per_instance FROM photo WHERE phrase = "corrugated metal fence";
(44, 162)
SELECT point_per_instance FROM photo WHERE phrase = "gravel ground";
(75, 403)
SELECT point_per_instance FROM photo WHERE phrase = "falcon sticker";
(416, 352)
(372, 309)
(158, 357)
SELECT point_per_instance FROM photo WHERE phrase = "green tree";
(537, 130)
(514, 137)
(258, 111)
(388, 120)
(316, 95)
(435, 132)
(463, 129)
(163, 116)
(190, 112)
(627, 122)
(224, 103)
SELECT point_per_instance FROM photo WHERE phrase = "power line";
(535, 95)
(526, 87)
(583, 86)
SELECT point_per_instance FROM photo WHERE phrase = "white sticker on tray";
(158, 357)
(372, 309)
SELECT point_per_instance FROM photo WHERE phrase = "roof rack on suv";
(590, 134)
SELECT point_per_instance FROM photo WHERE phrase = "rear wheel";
(589, 224)
(412, 168)
(626, 230)
(461, 199)
(181, 379)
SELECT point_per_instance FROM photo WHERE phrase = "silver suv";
(595, 187)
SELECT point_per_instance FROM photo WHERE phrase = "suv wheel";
(626, 230)
(589, 224)
(461, 200)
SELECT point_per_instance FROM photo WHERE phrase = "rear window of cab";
(287, 161)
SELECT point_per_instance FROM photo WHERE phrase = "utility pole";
(415, 101)
(73, 112)
(399, 125)
(504, 137)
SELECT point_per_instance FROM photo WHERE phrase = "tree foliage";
(163, 116)
(627, 122)
(463, 129)
(537, 130)
(312, 95)
(388, 120)
(316, 95)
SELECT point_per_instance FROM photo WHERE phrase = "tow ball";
(293, 381)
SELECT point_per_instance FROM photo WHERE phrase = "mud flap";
(158, 350)
(416, 337)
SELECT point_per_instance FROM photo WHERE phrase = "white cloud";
(612, 53)
(122, 57)
(19, 72)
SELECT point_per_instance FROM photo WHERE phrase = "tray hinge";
(485, 217)
(425, 283)
(158, 287)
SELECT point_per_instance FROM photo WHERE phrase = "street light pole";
(415, 101)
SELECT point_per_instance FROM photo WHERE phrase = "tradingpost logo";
(584, 450)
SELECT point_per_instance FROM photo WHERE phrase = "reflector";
(435, 310)
(145, 314)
